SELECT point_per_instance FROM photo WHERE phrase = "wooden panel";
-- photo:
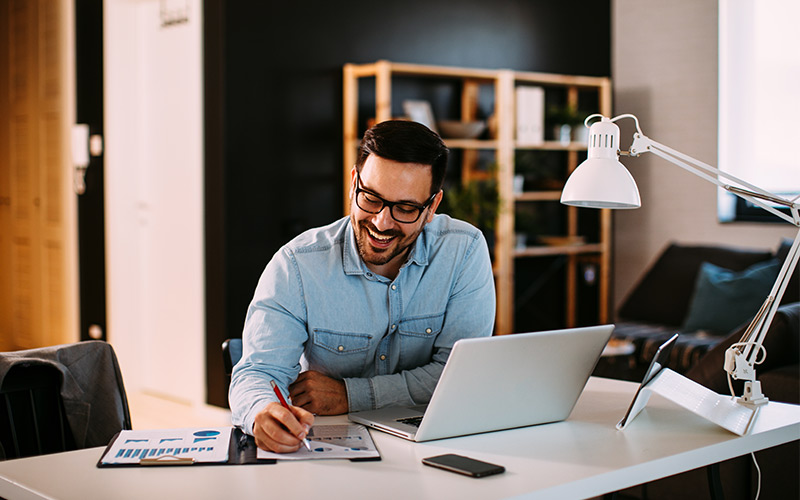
(34, 296)
(5, 180)
(52, 175)
(469, 111)
(24, 304)
(53, 291)
(350, 125)
(504, 92)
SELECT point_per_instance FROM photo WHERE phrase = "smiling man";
(363, 313)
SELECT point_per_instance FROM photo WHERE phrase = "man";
(363, 313)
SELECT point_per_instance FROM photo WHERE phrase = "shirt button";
(394, 326)
(340, 348)
(369, 275)
(394, 287)
(428, 330)
(383, 357)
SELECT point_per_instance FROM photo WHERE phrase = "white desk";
(582, 457)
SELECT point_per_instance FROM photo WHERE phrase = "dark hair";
(406, 142)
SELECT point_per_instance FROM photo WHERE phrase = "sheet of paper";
(332, 441)
(202, 444)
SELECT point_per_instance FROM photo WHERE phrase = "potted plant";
(476, 202)
(562, 120)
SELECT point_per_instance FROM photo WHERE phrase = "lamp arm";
(740, 358)
(751, 339)
(753, 194)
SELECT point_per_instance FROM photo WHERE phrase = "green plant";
(564, 115)
(476, 202)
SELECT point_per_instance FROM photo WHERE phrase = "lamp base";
(752, 394)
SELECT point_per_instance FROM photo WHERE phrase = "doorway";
(91, 203)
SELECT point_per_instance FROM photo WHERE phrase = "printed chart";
(332, 441)
(200, 444)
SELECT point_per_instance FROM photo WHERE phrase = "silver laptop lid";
(508, 381)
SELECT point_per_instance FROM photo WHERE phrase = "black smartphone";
(463, 465)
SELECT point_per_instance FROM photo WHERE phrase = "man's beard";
(380, 256)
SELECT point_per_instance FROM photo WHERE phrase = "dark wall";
(274, 108)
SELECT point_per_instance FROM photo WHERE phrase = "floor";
(151, 411)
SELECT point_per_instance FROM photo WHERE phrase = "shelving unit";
(505, 147)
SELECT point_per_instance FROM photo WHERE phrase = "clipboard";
(152, 448)
(242, 450)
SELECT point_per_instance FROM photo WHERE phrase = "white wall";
(154, 198)
(664, 70)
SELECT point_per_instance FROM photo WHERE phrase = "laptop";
(500, 382)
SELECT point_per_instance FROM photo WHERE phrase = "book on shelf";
(530, 115)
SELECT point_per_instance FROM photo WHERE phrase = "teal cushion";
(724, 299)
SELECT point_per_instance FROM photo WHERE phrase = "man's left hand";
(319, 393)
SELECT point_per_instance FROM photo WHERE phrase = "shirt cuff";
(250, 417)
(360, 394)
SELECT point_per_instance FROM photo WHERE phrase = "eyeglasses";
(402, 212)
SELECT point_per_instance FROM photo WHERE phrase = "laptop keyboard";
(413, 421)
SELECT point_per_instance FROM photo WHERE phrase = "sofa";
(676, 295)
(663, 303)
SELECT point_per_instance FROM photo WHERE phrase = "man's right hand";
(280, 430)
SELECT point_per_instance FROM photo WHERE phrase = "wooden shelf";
(504, 145)
(545, 250)
(470, 144)
(538, 196)
(554, 146)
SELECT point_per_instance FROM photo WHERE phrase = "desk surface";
(581, 457)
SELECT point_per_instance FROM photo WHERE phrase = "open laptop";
(501, 382)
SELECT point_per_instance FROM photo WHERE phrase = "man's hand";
(319, 393)
(280, 430)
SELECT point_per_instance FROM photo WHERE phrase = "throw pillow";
(724, 299)
(792, 293)
(663, 294)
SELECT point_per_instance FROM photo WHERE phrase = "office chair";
(60, 398)
(231, 354)
(32, 419)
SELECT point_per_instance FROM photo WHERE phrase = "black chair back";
(32, 418)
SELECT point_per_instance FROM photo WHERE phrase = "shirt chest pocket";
(417, 336)
(423, 327)
(344, 354)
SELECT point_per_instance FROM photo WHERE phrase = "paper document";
(203, 444)
(332, 441)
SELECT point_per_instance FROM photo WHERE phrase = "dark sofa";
(659, 304)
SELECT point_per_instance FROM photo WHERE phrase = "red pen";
(286, 405)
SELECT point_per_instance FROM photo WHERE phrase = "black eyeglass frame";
(391, 204)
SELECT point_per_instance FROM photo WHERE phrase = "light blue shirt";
(318, 307)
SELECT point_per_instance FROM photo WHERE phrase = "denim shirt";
(318, 307)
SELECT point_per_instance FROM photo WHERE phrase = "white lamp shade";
(601, 183)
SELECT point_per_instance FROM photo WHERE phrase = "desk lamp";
(603, 182)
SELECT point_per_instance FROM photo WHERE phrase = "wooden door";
(38, 299)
